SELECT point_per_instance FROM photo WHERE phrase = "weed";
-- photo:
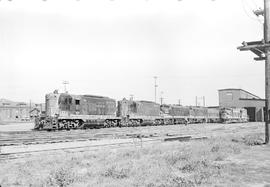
(182, 182)
(252, 140)
(200, 163)
(61, 177)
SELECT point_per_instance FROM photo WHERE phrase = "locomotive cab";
(51, 104)
(225, 114)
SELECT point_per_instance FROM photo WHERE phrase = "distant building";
(240, 98)
(17, 111)
(34, 112)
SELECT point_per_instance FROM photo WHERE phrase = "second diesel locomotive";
(67, 111)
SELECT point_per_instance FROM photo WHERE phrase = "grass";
(251, 139)
(174, 164)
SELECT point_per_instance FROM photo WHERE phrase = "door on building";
(251, 111)
(264, 113)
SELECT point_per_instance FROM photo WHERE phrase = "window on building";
(229, 95)
(77, 102)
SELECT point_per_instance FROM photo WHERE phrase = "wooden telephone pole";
(262, 50)
(155, 77)
(267, 66)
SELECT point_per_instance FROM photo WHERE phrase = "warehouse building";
(243, 99)
(17, 111)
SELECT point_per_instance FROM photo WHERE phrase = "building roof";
(35, 109)
(2, 100)
(5, 103)
(9, 103)
(238, 89)
(213, 107)
(253, 99)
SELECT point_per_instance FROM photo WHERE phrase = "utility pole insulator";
(259, 12)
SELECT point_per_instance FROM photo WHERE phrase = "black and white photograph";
(134, 93)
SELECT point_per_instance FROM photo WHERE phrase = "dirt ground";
(27, 126)
(233, 155)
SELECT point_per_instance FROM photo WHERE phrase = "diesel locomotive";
(68, 111)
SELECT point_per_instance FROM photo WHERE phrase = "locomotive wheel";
(134, 123)
(76, 124)
(106, 124)
(60, 125)
(64, 124)
(114, 124)
(69, 125)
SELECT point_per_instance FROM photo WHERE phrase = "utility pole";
(267, 66)
(30, 106)
(262, 50)
(65, 85)
(155, 77)
(199, 99)
(179, 102)
(161, 98)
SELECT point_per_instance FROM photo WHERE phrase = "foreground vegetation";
(210, 162)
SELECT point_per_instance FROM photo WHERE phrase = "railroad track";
(20, 144)
(41, 137)
(113, 144)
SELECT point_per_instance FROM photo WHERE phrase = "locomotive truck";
(68, 111)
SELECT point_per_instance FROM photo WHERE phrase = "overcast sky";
(114, 48)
